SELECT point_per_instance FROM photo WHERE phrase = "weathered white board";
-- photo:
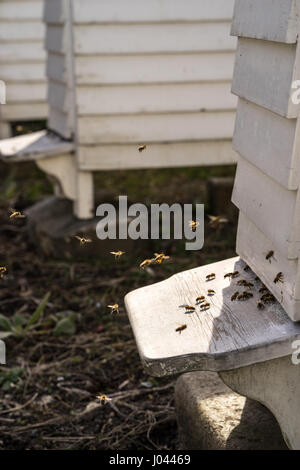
(21, 10)
(13, 31)
(264, 72)
(23, 72)
(155, 127)
(272, 208)
(20, 92)
(229, 335)
(21, 51)
(121, 69)
(26, 111)
(150, 98)
(269, 142)
(254, 249)
(273, 20)
(169, 155)
(148, 39)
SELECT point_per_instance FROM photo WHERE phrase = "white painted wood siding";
(22, 60)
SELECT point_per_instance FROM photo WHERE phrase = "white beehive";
(267, 137)
(154, 72)
(22, 62)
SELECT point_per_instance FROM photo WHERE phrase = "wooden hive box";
(22, 62)
(266, 137)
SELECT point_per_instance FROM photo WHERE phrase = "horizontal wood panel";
(24, 92)
(23, 72)
(20, 10)
(154, 38)
(253, 246)
(31, 51)
(151, 68)
(155, 127)
(113, 11)
(15, 31)
(272, 208)
(269, 141)
(24, 111)
(264, 72)
(171, 155)
(152, 98)
(273, 20)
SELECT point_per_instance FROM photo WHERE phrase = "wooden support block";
(268, 141)
(229, 335)
(272, 20)
(84, 203)
(272, 208)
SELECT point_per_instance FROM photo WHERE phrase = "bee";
(2, 271)
(180, 328)
(227, 275)
(244, 296)
(16, 214)
(141, 148)
(201, 298)
(205, 306)
(268, 298)
(114, 308)
(159, 257)
(146, 263)
(244, 283)
(256, 278)
(234, 274)
(278, 278)
(263, 289)
(217, 221)
(211, 292)
(193, 224)
(260, 305)
(210, 276)
(117, 254)
(189, 308)
(270, 255)
(83, 240)
(234, 296)
(246, 268)
(103, 399)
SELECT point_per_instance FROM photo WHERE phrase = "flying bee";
(103, 399)
(114, 308)
(201, 298)
(278, 278)
(117, 254)
(205, 306)
(159, 258)
(210, 276)
(16, 214)
(193, 224)
(2, 271)
(260, 305)
(217, 221)
(180, 328)
(141, 148)
(146, 263)
(83, 240)
(211, 292)
(234, 296)
(270, 255)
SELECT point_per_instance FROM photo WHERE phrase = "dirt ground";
(73, 349)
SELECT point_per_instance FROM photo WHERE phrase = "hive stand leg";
(275, 384)
(61, 171)
(84, 203)
(5, 130)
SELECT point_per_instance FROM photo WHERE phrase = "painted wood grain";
(229, 335)
(12, 31)
(20, 51)
(26, 111)
(23, 72)
(20, 10)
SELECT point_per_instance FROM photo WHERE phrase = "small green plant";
(10, 377)
(19, 325)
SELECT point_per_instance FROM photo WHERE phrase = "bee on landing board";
(16, 214)
(200, 299)
(244, 296)
(234, 274)
(114, 308)
(235, 296)
(83, 240)
(117, 254)
(210, 276)
(270, 255)
(141, 148)
(278, 278)
(180, 328)
(188, 308)
(211, 292)
(205, 306)
(260, 305)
